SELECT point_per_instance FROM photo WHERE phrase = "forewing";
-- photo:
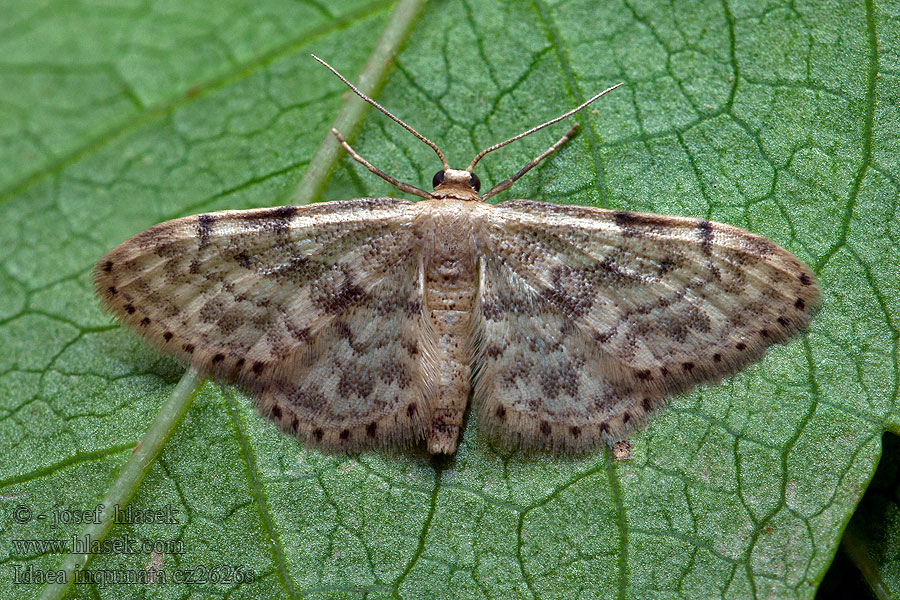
(620, 309)
(314, 310)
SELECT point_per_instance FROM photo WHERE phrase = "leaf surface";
(782, 120)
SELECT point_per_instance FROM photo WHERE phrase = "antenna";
(481, 154)
(385, 111)
(494, 190)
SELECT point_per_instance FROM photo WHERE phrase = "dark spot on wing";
(741, 346)
(411, 346)
(704, 231)
(626, 221)
(283, 212)
(644, 375)
(205, 224)
(800, 304)
(805, 280)
(242, 259)
(413, 308)
(353, 383)
(276, 412)
(318, 433)
(371, 428)
(275, 220)
(666, 264)
(491, 311)
(108, 266)
(493, 350)
(545, 428)
(333, 297)
(258, 367)
(570, 291)
(636, 224)
(297, 333)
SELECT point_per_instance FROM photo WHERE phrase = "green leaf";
(869, 556)
(780, 119)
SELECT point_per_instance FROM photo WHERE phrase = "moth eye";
(438, 178)
(475, 182)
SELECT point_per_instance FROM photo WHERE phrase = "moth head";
(454, 183)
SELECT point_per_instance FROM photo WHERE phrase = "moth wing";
(314, 310)
(589, 318)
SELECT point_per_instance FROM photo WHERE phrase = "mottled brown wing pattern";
(315, 310)
(590, 317)
(542, 381)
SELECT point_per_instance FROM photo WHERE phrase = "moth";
(369, 322)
